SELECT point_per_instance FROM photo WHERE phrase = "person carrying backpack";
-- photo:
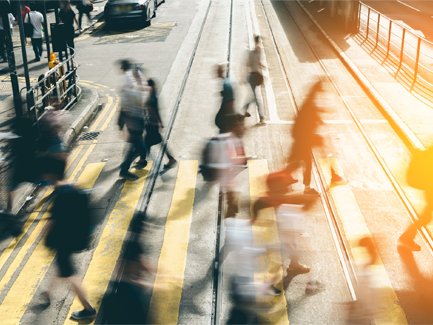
(419, 175)
(36, 19)
(69, 232)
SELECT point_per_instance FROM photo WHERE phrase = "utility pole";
(4, 6)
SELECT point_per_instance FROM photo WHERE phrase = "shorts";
(64, 262)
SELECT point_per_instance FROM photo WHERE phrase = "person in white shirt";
(3, 36)
(37, 20)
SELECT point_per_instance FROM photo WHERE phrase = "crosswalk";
(24, 266)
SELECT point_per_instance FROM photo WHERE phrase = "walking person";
(67, 16)
(154, 123)
(255, 77)
(24, 11)
(134, 91)
(37, 20)
(69, 232)
(3, 35)
(84, 8)
(420, 176)
(228, 99)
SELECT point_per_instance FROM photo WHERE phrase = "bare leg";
(81, 294)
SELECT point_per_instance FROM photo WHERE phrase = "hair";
(151, 83)
(256, 38)
(32, 6)
(125, 65)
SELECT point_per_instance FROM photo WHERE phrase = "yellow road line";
(355, 228)
(264, 234)
(113, 111)
(107, 107)
(24, 287)
(167, 290)
(81, 162)
(108, 250)
(89, 175)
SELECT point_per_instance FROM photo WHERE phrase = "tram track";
(340, 240)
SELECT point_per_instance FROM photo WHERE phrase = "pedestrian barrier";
(56, 88)
(408, 50)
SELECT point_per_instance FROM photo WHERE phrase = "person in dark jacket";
(154, 123)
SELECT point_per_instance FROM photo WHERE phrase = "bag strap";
(30, 19)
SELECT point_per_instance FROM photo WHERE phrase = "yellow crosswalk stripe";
(110, 116)
(167, 291)
(355, 228)
(102, 114)
(24, 287)
(89, 175)
(264, 234)
(109, 246)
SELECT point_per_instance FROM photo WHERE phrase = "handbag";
(28, 27)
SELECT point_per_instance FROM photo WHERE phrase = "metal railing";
(57, 87)
(408, 49)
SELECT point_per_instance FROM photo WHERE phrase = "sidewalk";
(411, 112)
(78, 115)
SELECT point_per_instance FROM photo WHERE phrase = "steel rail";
(154, 171)
(400, 193)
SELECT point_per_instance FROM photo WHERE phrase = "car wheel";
(146, 22)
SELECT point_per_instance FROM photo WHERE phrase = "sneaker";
(409, 244)
(337, 179)
(83, 314)
(311, 192)
(128, 176)
(140, 164)
(275, 291)
(298, 269)
(262, 120)
(247, 114)
(170, 164)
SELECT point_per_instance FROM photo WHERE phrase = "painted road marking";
(355, 228)
(89, 175)
(110, 244)
(157, 32)
(24, 287)
(167, 290)
(265, 234)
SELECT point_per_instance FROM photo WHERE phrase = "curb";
(79, 122)
(387, 109)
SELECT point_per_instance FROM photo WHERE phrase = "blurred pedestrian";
(254, 66)
(154, 123)
(69, 232)
(420, 176)
(67, 16)
(37, 20)
(84, 8)
(306, 137)
(3, 35)
(228, 98)
(134, 92)
(24, 11)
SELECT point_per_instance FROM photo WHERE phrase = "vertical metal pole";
(47, 36)
(359, 16)
(418, 51)
(23, 45)
(377, 30)
(368, 22)
(402, 47)
(389, 38)
(11, 60)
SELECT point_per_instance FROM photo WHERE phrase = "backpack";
(28, 27)
(419, 174)
(72, 227)
(215, 157)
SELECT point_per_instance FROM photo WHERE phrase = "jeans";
(37, 47)
(80, 17)
(253, 88)
(136, 145)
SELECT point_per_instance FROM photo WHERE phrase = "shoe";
(298, 269)
(170, 164)
(45, 298)
(409, 244)
(311, 192)
(37, 60)
(128, 176)
(337, 179)
(262, 121)
(83, 314)
(247, 114)
(275, 291)
(140, 164)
